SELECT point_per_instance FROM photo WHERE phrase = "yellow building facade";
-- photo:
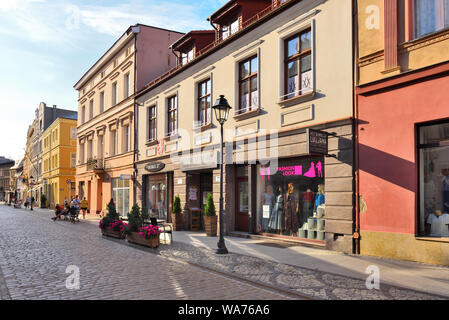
(59, 161)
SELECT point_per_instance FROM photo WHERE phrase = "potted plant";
(136, 231)
(111, 225)
(210, 217)
(43, 201)
(177, 216)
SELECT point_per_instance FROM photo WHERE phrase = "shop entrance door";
(242, 212)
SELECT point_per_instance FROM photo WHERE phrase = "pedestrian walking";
(84, 206)
(27, 202)
(32, 203)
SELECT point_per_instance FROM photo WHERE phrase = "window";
(126, 139)
(152, 121)
(73, 160)
(73, 133)
(113, 142)
(91, 109)
(102, 102)
(89, 150)
(114, 93)
(126, 85)
(187, 57)
(298, 65)
(295, 191)
(81, 153)
(229, 29)
(172, 115)
(120, 194)
(434, 180)
(431, 16)
(204, 102)
(248, 84)
(83, 114)
(100, 147)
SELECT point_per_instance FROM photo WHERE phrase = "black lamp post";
(221, 109)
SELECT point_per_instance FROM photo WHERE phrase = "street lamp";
(221, 109)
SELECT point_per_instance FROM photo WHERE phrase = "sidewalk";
(415, 276)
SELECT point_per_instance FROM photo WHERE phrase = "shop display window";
(434, 180)
(291, 202)
(120, 194)
(156, 197)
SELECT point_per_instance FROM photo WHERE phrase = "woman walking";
(84, 206)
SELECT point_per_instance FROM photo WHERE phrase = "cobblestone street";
(33, 261)
(35, 252)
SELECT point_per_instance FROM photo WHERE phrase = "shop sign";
(200, 161)
(317, 142)
(193, 194)
(126, 177)
(155, 166)
(313, 170)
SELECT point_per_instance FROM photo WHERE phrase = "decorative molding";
(297, 21)
(424, 41)
(202, 73)
(115, 75)
(296, 116)
(370, 59)
(170, 91)
(101, 86)
(83, 101)
(91, 94)
(249, 47)
(129, 63)
(151, 101)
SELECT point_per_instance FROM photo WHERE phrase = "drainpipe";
(217, 35)
(355, 128)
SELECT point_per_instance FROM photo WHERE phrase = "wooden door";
(242, 209)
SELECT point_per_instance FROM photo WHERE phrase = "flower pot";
(178, 222)
(113, 234)
(210, 224)
(136, 238)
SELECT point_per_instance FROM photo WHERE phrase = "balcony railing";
(95, 164)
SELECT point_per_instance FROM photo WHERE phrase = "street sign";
(317, 142)
(69, 181)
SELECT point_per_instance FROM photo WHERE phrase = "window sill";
(151, 143)
(298, 99)
(203, 127)
(433, 239)
(173, 136)
(247, 114)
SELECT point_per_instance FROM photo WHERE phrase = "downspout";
(217, 34)
(355, 127)
(135, 124)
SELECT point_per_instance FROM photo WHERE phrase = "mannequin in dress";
(276, 221)
(319, 199)
(291, 211)
(268, 200)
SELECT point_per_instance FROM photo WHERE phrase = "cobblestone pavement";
(35, 252)
(166, 261)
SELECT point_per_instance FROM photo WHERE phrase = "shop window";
(157, 195)
(298, 64)
(431, 16)
(434, 180)
(120, 194)
(290, 202)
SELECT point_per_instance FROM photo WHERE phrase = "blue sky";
(47, 45)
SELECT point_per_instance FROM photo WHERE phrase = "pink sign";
(296, 171)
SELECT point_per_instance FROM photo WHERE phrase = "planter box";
(178, 222)
(113, 234)
(211, 226)
(135, 238)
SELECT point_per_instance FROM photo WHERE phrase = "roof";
(4, 160)
(189, 35)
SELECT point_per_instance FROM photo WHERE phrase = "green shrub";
(177, 205)
(209, 209)
(135, 219)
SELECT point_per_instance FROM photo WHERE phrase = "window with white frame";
(114, 93)
(73, 133)
(172, 115)
(102, 102)
(126, 145)
(152, 121)
(430, 16)
(248, 85)
(113, 142)
(204, 102)
(91, 109)
(100, 150)
(126, 85)
(72, 160)
(81, 153)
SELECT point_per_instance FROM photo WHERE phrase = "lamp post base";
(222, 251)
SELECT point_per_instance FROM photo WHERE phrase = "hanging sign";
(155, 166)
(317, 142)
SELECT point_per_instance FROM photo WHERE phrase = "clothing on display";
(439, 225)
(307, 206)
(269, 200)
(276, 221)
(291, 211)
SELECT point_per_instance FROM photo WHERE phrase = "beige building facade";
(284, 68)
(105, 161)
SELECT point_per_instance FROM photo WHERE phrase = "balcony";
(96, 165)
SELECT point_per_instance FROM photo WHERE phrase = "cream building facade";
(105, 162)
(284, 68)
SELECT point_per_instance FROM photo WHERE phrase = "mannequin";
(445, 183)
(291, 211)
(307, 205)
(319, 200)
(276, 221)
(268, 199)
(439, 223)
